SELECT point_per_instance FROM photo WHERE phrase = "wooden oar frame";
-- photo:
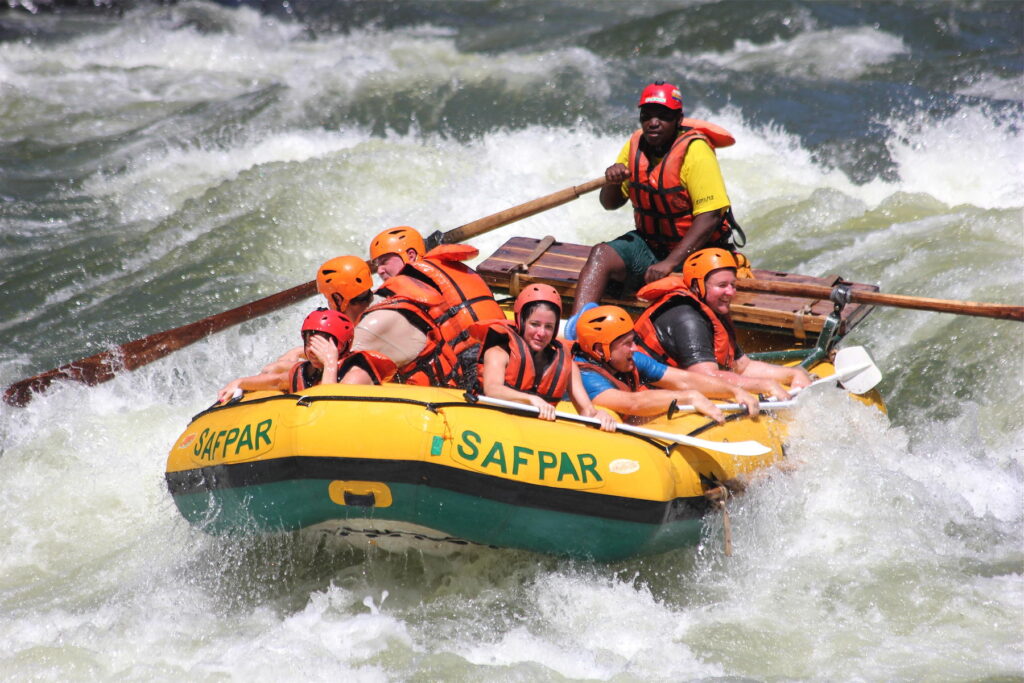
(765, 322)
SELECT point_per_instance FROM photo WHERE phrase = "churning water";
(170, 162)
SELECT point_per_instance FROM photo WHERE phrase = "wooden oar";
(984, 310)
(742, 448)
(134, 354)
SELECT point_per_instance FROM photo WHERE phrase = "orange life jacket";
(634, 384)
(662, 207)
(378, 366)
(467, 298)
(521, 373)
(297, 379)
(437, 364)
(663, 291)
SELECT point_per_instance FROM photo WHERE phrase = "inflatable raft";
(400, 466)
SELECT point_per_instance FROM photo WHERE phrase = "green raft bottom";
(301, 503)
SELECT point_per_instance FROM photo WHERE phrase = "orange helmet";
(537, 292)
(603, 325)
(665, 94)
(342, 279)
(701, 263)
(332, 323)
(396, 241)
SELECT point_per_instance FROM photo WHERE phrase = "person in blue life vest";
(523, 361)
(669, 172)
(326, 338)
(618, 376)
(688, 326)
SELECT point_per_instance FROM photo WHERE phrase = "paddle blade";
(856, 371)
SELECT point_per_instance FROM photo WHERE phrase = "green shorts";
(638, 257)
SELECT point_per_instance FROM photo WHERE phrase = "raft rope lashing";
(718, 497)
(514, 286)
(799, 330)
(738, 415)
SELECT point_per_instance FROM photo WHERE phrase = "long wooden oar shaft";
(134, 354)
(984, 310)
(525, 210)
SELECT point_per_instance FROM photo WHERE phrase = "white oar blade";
(857, 372)
(740, 448)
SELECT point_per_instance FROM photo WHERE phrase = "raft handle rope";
(711, 423)
(514, 286)
(433, 407)
(718, 497)
(736, 234)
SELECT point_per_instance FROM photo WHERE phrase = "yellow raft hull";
(402, 466)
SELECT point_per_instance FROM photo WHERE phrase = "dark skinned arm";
(703, 227)
(611, 194)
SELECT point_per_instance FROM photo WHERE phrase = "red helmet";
(537, 292)
(396, 241)
(701, 263)
(345, 276)
(665, 94)
(603, 325)
(329, 322)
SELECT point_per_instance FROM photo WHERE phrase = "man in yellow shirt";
(670, 173)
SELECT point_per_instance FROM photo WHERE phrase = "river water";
(169, 162)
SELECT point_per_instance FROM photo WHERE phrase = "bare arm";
(611, 194)
(793, 377)
(493, 382)
(287, 359)
(356, 375)
(656, 402)
(266, 381)
(763, 385)
(581, 401)
(708, 385)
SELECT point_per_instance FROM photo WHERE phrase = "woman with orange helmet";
(618, 376)
(524, 362)
(688, 326)
(326, 338)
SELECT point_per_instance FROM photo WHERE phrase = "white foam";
(996, 87)
(846, 53)
(973, 157)
(597, 628)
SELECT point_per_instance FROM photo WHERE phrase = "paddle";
(853, 368)
(743, 448)
(984, 310)
(134, 354)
